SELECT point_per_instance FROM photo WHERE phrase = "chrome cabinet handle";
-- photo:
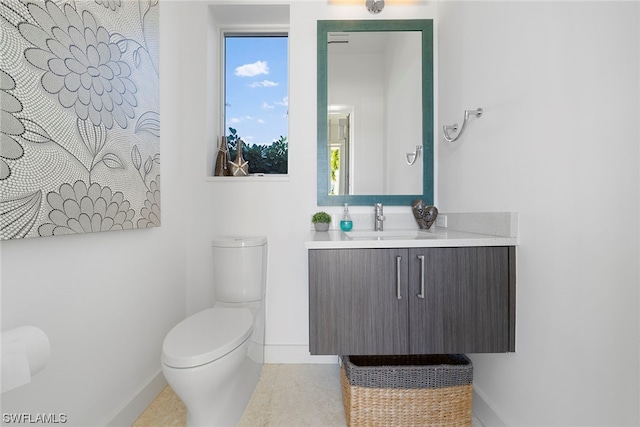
(398, 293)
(421, 294)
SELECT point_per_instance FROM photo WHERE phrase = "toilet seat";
(206, 336)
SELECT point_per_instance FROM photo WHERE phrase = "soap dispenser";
(345, 223)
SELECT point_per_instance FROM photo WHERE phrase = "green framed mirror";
(375, 112)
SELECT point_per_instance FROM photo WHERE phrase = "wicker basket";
(429, 390)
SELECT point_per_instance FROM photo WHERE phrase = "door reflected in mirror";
(374, 92)
(339, 144)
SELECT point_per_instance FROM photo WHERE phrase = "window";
(256, 103)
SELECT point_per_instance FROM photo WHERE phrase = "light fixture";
(374, 6)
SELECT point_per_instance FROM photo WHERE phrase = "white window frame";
(254, 31)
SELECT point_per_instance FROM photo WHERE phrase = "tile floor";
(286, 396)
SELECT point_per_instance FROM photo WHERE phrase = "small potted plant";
(321, 221)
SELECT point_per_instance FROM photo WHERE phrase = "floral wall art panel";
(80, 123)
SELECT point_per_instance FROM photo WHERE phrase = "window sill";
(250, 178)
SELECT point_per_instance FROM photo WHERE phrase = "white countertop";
(438, 238)
(471, 229)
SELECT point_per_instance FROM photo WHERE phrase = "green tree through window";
(264, 158)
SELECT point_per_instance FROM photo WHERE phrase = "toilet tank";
(239, 268)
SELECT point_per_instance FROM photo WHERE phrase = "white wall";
(558, 143)
(281, 210)
(105, 300)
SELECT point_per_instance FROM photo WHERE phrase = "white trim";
(258, 30)
(130, 410)
(294, 354)
(250, 178)
(484, 411)
(237, 16)
(233, 28)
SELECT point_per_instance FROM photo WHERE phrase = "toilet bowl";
(212, 359)
(204, 359)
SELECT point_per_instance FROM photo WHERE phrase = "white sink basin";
(392, 235)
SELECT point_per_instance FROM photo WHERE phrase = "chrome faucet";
(379, 217)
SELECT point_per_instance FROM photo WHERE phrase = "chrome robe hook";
(412, 157)
(454, 127)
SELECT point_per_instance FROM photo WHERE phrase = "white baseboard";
(294, 354)
(131, 409)
(485, 411)
(126, 415)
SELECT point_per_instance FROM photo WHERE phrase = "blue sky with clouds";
(256, 88)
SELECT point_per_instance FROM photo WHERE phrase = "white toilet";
(212, 360)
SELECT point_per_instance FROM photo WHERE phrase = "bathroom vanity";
(403, 291)
(411, 292)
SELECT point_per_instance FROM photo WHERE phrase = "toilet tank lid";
(206, 336)
(239, 242)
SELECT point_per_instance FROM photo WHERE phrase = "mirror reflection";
(374, 118)
(375, 112)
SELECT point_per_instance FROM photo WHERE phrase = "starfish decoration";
(239, 167)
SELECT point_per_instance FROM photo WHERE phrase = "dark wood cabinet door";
(466, 303)
(356, 304)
